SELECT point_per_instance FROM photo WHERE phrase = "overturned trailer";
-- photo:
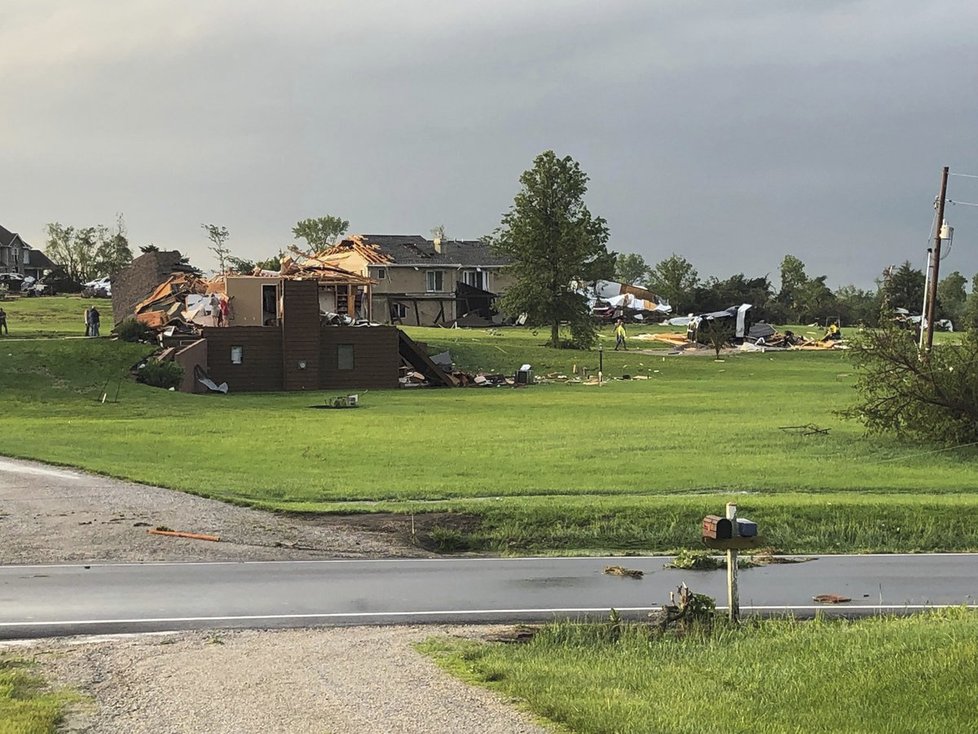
(610, 300)
(738, 318)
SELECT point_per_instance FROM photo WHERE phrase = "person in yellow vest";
(620, 336)
(834, 333)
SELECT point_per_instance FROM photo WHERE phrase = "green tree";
(934, 399)
(553, 240)
(904, 288)
(970, 317)
(112, 251)
(86, 253)
(321, 232)
(857, 306)
(218, 237)
(793, 279)
(631, 268)
(814, 301)
(675, 279)
(952, 297)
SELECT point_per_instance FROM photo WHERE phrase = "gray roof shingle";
(416, 250)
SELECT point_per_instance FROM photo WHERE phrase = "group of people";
(92, 321)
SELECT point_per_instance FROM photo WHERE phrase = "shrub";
(931, 396)
(160, 374)
(131, 330)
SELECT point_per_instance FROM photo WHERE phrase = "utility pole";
(935, 263)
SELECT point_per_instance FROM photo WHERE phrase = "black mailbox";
(718, 528)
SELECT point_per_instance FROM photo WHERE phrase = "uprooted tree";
(553, 241)
(931, 396)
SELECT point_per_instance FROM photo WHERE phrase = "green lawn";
(910, 675)
(50, 316)
(630, 465)
(26, 706)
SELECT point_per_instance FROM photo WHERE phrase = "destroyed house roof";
(394, 250)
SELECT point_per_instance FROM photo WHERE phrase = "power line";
(964, 175)
(962, 203)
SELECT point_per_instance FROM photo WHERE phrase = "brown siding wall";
(188, 357)
(375, 356)
(300, 335)
(261, 365)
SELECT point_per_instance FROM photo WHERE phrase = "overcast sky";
(731, 133)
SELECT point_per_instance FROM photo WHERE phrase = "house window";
(237, 355)
(474, 278)
(380, 273)
(398, 311)
(435, 280)
(269, 305)
(344, 357)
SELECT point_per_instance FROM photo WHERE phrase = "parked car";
(98, 288)
(33, 287)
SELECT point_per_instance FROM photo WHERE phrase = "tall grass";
(910, 674)
(26, 706)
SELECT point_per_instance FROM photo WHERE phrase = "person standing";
(620, 336)
(88, 320)
(3, 322)
(93, 320)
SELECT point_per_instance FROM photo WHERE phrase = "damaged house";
(422, 282)
(268, 332)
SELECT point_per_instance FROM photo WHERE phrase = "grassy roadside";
(26, 706)
(629, 466)
(909, 674)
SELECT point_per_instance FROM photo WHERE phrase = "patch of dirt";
(55, 515)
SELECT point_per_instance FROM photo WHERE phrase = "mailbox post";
(733, 597)
(731, 534)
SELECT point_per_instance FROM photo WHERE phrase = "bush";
(931, 396)
(131, 330)
(160, 374)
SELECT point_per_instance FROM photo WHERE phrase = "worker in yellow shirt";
(620, 336)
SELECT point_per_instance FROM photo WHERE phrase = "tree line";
(801, 298)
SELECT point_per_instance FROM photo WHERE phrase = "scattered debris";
(809, 429)
(685, 610)
(830, 599)
(518, 634)
(622, 571)
(181, 534)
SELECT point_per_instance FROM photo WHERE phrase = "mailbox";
(717, 528)
(746, 528)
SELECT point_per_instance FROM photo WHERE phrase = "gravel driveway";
(340, 681)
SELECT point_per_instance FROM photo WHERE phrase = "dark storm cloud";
(732, 133)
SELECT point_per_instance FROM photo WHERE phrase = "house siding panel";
(300, 335)
(261, 366)
(376, 359)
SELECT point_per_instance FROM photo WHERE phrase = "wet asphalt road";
(53, 600)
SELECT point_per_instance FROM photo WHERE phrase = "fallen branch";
(181, 534)
(622, 571)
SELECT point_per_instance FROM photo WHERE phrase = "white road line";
(488, 559)
(467, 612)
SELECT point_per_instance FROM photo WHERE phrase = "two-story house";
(424, 282)
(16, 256)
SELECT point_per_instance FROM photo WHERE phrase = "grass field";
(631, 465)
(908, 675)
(26, 707)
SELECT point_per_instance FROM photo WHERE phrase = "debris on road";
(624, 572)
(183, 534)
(830, 599)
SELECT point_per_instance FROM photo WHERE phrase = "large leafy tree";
(904, 287)
(553, 241)
(675, 279)
(86, 253)
(320, 232)
(952, 297)
(631, 268)
(793, 279)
